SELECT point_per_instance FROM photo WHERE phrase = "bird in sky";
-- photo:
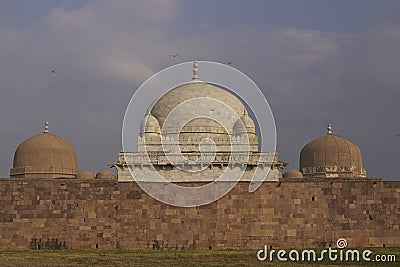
(174, 55)
(229, 63)
(397, 134)
(53, 71)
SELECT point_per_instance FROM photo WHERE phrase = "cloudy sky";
(315, 61)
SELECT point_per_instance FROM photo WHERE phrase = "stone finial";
(195, 71)
(46, 127)
(329, 128)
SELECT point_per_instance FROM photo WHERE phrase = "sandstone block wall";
(105, 214)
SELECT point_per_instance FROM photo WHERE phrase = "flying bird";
(174, 55)
(229, 63)
(53, 71)
(397, 134)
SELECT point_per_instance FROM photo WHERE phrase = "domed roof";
(150, 124)
(245, 125)
(106, 174)
(331, 156)
(196, 111)
(167, 102)
(85, 175)
(44, 156)
(293, 173)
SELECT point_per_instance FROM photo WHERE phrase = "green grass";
(162, 258)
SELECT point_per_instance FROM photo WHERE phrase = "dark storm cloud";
(103, 50)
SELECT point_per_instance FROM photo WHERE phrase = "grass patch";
(164, 258)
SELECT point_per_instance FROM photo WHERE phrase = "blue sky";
(315, 61)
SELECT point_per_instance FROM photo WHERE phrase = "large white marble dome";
(199, 128)
(167, 102)
(195, 132)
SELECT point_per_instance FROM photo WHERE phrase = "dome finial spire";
(46, 127)
(329, 128)
(195, 71)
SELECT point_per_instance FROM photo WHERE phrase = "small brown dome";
(293, 174)
(331, 156)
(44, 156)
(106, 174)
(85, 175)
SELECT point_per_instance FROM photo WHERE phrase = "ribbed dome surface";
(45, 156)
(331, 154)
(150, 124)
(245, 125)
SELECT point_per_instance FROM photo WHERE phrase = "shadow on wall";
(37, 244)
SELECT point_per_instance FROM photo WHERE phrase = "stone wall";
(105, 214)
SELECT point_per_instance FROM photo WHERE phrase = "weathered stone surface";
(107, 214)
